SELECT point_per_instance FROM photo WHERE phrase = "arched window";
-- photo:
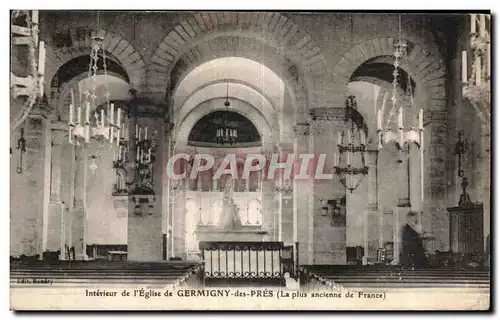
(192, 217)
(253, 214)
(215, 213)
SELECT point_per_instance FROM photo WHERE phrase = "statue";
(230, 220)
(228, 190)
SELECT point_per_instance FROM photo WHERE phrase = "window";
(192, 217)
(215, 213)
(253, 214)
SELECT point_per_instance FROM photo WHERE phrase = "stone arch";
(425, 66)
(113, 43)
(272, 28)
(66, 87)
(242, 92)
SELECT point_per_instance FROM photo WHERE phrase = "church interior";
(397, 104)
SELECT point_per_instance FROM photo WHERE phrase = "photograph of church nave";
(393, 109)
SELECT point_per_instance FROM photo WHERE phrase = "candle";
(119, 152)
(488, 60)
(34, 17)
(71, 114)
(472, 23)
(421, 119)
(362, 136)
(140, 129)
(80, 91)
(119, 118)
(41, 58)
(400, 122)
(379, 120)
(478, 71)
(136, 131)
(87, 113)
(102, 117)
(482, 25)
(464, 66)
(111, 118)
(138, 154)
(149, 154)
(146, 133)
(72, 97)
(79, 115)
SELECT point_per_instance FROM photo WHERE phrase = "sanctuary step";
(395, 277)
(102, 273)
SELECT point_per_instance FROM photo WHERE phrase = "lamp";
(104, 126)
(225, 133)
(351, 143)
(21, 147)
(401, 137)
(285, 188)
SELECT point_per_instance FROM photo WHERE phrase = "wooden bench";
(117, 255)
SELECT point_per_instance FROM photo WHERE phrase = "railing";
(243, 263)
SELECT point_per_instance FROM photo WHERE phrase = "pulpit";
(466, 230)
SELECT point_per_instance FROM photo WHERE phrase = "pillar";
(79, 206)
(301, 191)
(435, 217)
(404, 205)
(285, 207)
(372, 227)
(56, 215)
(485, 183)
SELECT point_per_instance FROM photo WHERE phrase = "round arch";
(236, 91)
(274, 29)
(245, 71)
(114, 44)
(117, 87)
(427, 70)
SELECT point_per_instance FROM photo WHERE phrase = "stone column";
(285, 207)
(485, 183)
(29, 219)
(301, 191)
(435, 217)
(372, 228)
(55, 220)
(80, 201)
(58, 135)
(403, 205)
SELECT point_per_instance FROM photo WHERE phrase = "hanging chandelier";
(103, 126)
(350, 165)
(401, 137)
(226, 133)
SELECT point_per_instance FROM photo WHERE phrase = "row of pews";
(101, 273)
(162, 274)
(386, 277)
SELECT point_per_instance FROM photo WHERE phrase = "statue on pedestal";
(230, 219)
